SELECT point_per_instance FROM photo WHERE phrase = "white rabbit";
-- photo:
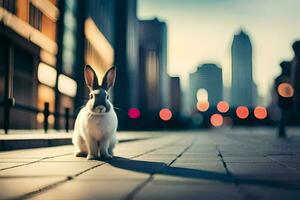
(96, 124)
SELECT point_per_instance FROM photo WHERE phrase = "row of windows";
(28, 12)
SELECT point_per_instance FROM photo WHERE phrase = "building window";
(35, 17)
(9, 5)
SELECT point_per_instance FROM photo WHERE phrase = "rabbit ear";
(90, 76)
(109, 78)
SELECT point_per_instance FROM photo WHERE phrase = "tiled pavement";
(215, 164)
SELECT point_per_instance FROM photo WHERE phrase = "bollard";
(46, 115)
(67, 116)
(9, 102)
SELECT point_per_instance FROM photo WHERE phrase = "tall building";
(45, 45)
(86, 36)
(175, 95)
(242, 86)
(28, 37)
(153, 77)
(126, 58)
(208, 78)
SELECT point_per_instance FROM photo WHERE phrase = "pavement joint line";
(69, 178)
(32, 162)
(283, 164)
(150, 178)
(228, 172)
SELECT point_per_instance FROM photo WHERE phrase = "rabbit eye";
(107, 97)
(91, 96)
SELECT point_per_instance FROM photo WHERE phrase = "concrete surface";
(210, 164)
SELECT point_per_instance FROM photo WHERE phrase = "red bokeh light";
(165, 114)
(285, 90)
(223, 106)
(260, 112)
(216, 120)
(134, 113)
(202, 106)
(242, 112)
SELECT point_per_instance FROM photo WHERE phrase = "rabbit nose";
(100, 108)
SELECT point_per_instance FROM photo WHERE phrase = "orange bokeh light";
(223, 106)
(216, 120)
(202, 106)
(165, 114)
(285, 90)
(260, 112)
(242, 112)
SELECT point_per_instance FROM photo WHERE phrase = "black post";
(67, 116)
(8, 88)
(46, 115)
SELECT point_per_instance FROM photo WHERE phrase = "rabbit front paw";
(91, 157)
(106, 157)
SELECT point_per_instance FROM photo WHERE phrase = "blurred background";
(180, 64)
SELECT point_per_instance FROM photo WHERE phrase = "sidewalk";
(215, 164)
(25, 139)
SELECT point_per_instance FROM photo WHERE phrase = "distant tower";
(154, 82)
(242, 82)
(208, 77)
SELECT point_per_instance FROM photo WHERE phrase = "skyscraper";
(242, 86)
(153, 77)
(126, 58)
(208, 77)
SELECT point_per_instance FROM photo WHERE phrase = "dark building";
(45, 45)
(153, 78)
(175, 95)
(242, 86)
(86, 36)
(126, 59)
(208, 78)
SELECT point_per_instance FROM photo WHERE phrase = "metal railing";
(10, 103)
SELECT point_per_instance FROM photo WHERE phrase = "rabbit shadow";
(159, 168)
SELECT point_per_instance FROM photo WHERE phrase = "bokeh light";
(134, 113)
(51, 119)
(285, 90)
(260, 112)
(40, 117)
(216, 120)
(223, 106)
(202, 95)
(165, 114)
(202, 106)
(242, 112)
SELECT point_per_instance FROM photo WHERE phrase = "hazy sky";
(201, 31)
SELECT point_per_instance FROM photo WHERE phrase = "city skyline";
(213, 37)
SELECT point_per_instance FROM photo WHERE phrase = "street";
(240, 163)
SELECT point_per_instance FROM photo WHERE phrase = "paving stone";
(201, 166)
(187, 191)
(15, 187)
(257, 168)
(91, 189)
(266, 193)
(50, 169)
(247, 159)
(109, 172)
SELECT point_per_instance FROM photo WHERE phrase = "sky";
(201, 31)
